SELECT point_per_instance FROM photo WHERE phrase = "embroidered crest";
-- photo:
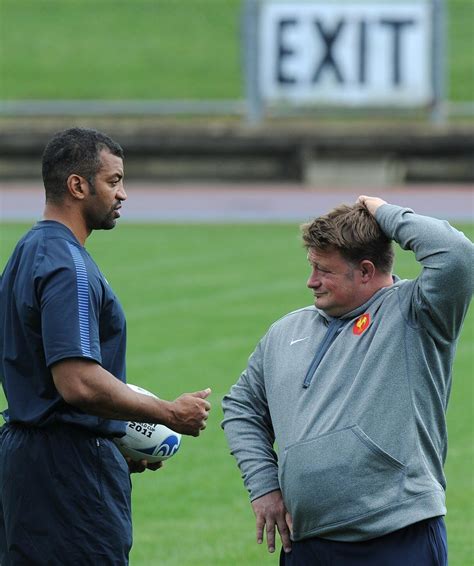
(361, 324)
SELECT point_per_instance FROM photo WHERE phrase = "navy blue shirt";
(55, 304)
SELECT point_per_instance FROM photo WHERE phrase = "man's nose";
(313, 280)
(122, 195)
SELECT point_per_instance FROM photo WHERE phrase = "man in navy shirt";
(64, 486)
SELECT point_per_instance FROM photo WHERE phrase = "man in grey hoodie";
(354, 391)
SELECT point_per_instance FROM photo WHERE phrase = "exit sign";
(345, 53)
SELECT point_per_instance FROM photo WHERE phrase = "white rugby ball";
(148, 441)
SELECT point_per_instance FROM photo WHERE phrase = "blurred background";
(246, 90)
(239, 120)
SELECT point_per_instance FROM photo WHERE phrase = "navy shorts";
(419, 544)
(64, 498)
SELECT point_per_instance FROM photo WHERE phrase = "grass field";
(197, 300)
(153, 49)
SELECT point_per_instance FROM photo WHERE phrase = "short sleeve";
(69, 305)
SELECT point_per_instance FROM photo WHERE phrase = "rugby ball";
(148, 441)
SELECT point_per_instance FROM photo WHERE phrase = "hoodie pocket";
(337, 477)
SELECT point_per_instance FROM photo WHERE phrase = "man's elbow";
(73, 383)
(77, 397)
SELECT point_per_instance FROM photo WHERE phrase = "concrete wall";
(311, 154)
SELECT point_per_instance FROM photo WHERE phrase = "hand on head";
(371, 203)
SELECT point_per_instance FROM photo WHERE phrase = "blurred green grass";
(460, 50)
(154, 49)
(119, 49)
(197, 299)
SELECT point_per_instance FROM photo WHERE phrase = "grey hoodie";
(362, 443)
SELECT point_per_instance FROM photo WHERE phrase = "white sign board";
(347, 53)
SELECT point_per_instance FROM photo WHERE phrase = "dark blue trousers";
(64, 498)
(420, 544)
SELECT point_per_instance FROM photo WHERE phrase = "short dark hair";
(354, 232)
(74, 151)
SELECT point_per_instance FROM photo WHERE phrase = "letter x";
(328, 37)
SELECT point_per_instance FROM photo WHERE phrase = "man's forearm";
(89, 387)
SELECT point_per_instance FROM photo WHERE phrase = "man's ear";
(367, 270)
(77, 186)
